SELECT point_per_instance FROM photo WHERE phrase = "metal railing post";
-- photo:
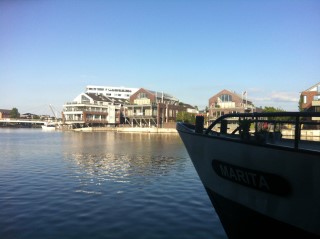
(297, 133)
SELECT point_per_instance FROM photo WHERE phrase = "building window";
(84, 99)
(316, 97)
(225, 98)
(141, 95)
(304, 99)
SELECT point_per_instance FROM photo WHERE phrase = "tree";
(14, 113)
(300, 104)
(272, 109)
(186, 117)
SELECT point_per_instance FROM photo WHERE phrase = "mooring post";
(199, 124)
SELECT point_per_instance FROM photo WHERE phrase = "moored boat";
(261, 173)
(49, 126)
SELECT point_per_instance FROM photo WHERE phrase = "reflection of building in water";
(100, 157)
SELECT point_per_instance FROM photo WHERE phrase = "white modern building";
(89, 109)
(111, 91)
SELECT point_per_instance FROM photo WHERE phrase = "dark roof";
(310, 88)
(165, 95)
(188, 106)
(100, 97)
(5, 111)
(29, 114)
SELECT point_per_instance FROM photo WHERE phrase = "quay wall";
(128, 129)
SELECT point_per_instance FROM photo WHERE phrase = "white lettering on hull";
(259, 180)
(252, 179)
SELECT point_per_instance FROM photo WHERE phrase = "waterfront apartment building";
(111, 91)
(226, 102)
(90, 109)
(310, 99)
(149, 108)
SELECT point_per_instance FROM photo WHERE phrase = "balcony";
(316, 100)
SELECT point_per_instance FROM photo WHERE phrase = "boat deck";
(288, 142)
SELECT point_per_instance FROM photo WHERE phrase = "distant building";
(5, 114)
(29, 116)
(111, 91)
(143, 108)
(91, 109)
(189, 108)
(226, 102)
(310, 99)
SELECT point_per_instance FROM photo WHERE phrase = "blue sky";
(50, 50)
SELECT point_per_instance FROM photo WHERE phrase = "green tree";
(300, 104)
(272, 109)
(14, 113)
(186, 117)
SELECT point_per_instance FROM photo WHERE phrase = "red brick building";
(5, 114)
(226, 102)
(151, 108)
(310, 99)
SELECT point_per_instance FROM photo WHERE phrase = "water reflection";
(100, 157)
(98, 185)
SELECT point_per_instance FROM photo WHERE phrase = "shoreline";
(126, 129)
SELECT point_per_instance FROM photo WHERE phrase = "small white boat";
(261, 184)
(49, 126)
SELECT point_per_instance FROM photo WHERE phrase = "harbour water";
(100, 185)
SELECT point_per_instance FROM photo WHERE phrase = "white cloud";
(277, 99)
(285, 96)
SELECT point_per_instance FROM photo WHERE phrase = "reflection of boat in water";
(260, 183)
(49, 126)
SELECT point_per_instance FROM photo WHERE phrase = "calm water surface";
(100, 185)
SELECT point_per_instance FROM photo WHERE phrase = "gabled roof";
(224, 91)
(158, 94)
(233, 93)
(187, 106)
(313, 88)
(165, 95)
